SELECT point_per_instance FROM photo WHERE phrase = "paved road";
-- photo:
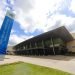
(65, 63)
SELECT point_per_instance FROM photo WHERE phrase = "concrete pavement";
(64, 63)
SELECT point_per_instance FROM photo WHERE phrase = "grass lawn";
(21, 68)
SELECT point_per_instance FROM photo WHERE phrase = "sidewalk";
(64, 63)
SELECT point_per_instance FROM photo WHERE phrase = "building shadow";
(55, 57)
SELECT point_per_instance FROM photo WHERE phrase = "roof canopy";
(60, 32)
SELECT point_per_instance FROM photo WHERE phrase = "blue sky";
(33, 17)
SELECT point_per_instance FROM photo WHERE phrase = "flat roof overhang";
(60, 32)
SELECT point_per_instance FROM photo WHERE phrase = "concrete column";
(35, 45)
(43, 47)
(30, 49)
(30, 45)
(37, 51)
(26, 47)
(42, 44)
(36, 48)
(53, 45)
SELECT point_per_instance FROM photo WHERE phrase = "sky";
(34, 17)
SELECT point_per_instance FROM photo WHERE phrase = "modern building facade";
(71, 44)
(53, 42)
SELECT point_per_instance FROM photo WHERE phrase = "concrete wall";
(71, 46)
(10, 50)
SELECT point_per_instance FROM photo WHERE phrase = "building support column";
(26, 49)
(43, 47)
(35, 45)
(30, 49)
(53, 45)
(36, 48)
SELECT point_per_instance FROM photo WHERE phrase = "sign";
(5, 32)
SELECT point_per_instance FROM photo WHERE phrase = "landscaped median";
(21, 68)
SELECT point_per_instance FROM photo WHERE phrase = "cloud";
(23, 20)
(36, 18)
(58, 20)
(12, 31)
(15, 39)
(25, 5)
(2, 15)
(8, 4)
(41, 15)
(72, 6)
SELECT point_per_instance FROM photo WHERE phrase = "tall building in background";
(5, 31)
